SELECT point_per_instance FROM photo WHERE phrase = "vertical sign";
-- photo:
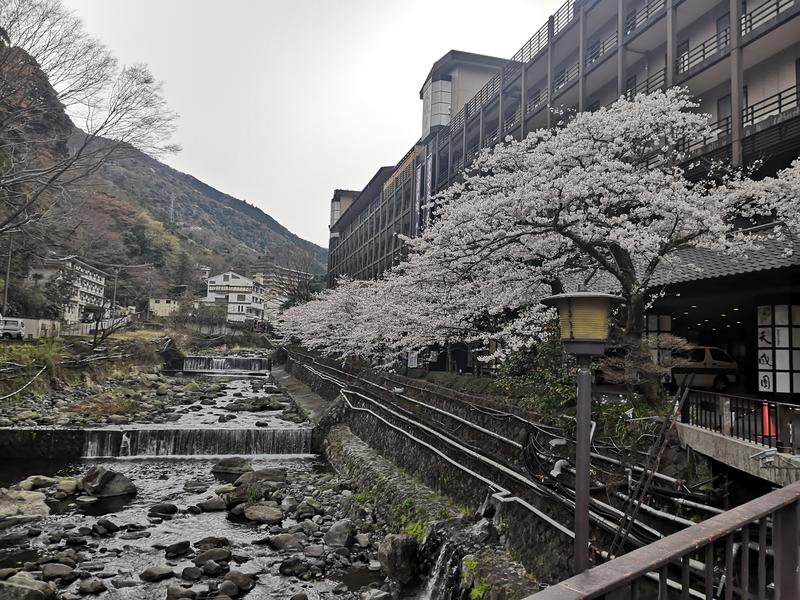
(417, 199)
(429, 185)
(778, 347)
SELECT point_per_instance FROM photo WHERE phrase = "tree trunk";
(643, 375)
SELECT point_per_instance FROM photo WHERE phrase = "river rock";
(213, 568)
(376, 595)
(68, 485)
(314, 551)
(397, 555)
(255, 490)
(234, 465)
(212, 504)
(243, 581)
(163, 508)
(92, 586)
(284, 541)
(212, 541)
(37, 481)
(153, 574)
(26, 580)
(228, 588)
(340, 534)
(191, 573)
(264, 513)
(52, 571)
(175, 592)
(108, 525)
(22, 503)
(177, 549)
(102, 482)
(215, 554)
(267, 474)
(14, 591)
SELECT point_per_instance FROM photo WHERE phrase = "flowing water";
(222, 364)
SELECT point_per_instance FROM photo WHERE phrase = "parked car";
(703, 366)
(12, 328)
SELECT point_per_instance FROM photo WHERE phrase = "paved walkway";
(314, 405)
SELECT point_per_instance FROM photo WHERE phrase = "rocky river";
(186, 488)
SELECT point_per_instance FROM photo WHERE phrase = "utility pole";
(114, 297)
(8, 273)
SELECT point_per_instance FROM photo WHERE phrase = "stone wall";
(59, 444)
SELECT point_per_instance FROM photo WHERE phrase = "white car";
(12, 328)
(705, 367)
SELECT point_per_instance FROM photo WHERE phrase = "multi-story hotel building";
(739, 58)
(88, 286)
(242, 297)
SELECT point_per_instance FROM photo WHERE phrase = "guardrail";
(783, 101)
(734, 542)
(642, 14)
(713, 46)
(762, 422)
(600, 48)
(764, 13)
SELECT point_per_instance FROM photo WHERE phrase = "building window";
(225, 278)
(241, 297)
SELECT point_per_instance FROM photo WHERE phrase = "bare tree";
(66, 107)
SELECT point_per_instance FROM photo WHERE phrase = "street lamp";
(583, 319)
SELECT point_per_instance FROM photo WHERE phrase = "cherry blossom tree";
(602, 201)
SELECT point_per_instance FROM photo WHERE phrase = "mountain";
(133, 210)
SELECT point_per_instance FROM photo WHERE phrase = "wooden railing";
(747, 552)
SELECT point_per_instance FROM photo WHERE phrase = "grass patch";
(479, 591)
(363, 498)
(105, 406)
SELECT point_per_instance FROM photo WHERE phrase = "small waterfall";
(443, 574)
(216, 364)
(195, 442)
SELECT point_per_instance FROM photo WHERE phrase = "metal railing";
(713, 46)
(762, 422)
(783, 101)
(642, 14)
(532, 47)
(716, 132)
(600, 48)
(740, 557)
(563, 16)
(511, 121)
(763, 13)
(656, 81)
(566, 76)
(536, 101)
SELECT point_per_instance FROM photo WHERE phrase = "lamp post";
(583, 319)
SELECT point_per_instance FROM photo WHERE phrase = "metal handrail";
(532, 47)
(563, 16)
(566, 77)
(762, 14)
(779, 103)
(713, 46)
(654, 560)
(600, 49)
(640, 16)
(656, 81)
(535, 101)
(716, 131)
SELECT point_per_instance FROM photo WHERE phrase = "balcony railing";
(566, 76)
(716, 132)
(752, 420)
(536, 102)
(713, 46)
(783, 101)
(763, 14)
(731, 544)
(600, 48)
(457, 122)
(656, 81)
(511, 121)
(484, 95)
(532, 47)
(640, 16)
(563, 16)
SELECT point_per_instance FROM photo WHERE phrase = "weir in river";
(226, 364)
(105, 443)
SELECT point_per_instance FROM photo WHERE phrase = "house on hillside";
(163, 307)
(242, 297)
(87, 283)
(279, 283)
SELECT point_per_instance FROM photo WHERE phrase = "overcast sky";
(281, 102)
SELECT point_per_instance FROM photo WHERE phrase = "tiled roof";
(696, 264)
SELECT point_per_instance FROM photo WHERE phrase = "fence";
(748, 552)
(763, 422)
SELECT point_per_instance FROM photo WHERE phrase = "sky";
(280, 103)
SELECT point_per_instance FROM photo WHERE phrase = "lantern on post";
(583, 320)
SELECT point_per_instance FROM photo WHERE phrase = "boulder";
(37, 481)
(15, 503)
(340, 535)
(215, 554)
(163, 508)
(212, 504)
(228, 588)
(247, 492)
(191, 573)
(284, 541)
(92, 586)
(68, 485)
(397, 554)
(26, 580)
(153, 574)
(177, 549)
(264, 513)
(53, 571)
(103, 483)
(174, 592)
(267, 474)
(234, 465)
(243, 581)
(15, 591)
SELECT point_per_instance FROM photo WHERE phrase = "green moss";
(479, 591)
(469, 571)
(363, 498)
(416, 529)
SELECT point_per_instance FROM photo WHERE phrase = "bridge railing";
(751, 552)
(763, 422)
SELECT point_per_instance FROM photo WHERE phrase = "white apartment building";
(242, 297)
(163, 307)
(88, 285)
